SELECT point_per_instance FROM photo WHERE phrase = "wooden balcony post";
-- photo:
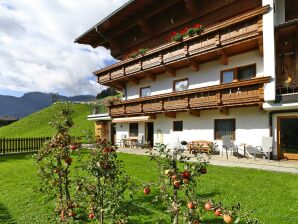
(219, 98)
(185, 49)
(261, 93)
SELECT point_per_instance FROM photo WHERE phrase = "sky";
(37, 49)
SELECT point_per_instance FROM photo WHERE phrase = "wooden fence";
(19, 145)
(15, 145)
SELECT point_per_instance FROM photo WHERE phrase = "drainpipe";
(275, 112)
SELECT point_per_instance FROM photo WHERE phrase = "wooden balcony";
(234, 36)
(242, 93)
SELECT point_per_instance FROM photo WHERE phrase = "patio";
(288, 166)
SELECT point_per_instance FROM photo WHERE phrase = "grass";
(37, 124)
(273, 196)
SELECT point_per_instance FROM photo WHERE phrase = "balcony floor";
(288, 166)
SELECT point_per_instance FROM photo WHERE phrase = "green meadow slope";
(37, 124)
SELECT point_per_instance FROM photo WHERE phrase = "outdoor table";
(129, 141)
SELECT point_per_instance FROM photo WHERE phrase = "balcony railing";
(237, 30)
(242, 93)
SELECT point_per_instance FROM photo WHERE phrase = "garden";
(65, 183)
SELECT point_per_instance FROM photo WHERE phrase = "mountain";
(32, 102)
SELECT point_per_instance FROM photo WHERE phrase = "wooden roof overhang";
(96, 35)
(222, 97)
(236, 35)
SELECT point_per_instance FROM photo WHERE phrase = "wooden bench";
(200, 146)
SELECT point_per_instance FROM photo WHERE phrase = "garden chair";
(141, 142)
(264, 150)
(122, 141)
(228, 145)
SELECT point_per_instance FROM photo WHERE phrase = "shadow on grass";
(16, 156)
(5, 216)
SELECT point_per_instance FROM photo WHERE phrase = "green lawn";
(37, 124)
(273, 196)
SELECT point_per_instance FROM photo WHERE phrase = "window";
(240, 73)
(133, 129)
(180, 85)
(224, 127)
(247, 72)
(227, 76)
(177, 125)
(145, 91)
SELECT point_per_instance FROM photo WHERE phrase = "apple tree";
(54, 161)
(177, 184)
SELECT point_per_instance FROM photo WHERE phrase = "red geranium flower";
(197, 25)
(184, 31)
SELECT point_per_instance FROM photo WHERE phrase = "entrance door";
(287, 142)
(149, 135)
(113, 133)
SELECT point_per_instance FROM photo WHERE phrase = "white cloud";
(37, 52)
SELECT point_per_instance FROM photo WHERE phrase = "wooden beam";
(223, 58)
(170, 71)
(170, 114)
(145, 27)
(260, 43)
(195, 113)
(191, 8)
(118, 85)
(133, 81)
(261, 107)
(150, 76)
(152, 116)
(296, 49)
(224, 110)
(194, 64)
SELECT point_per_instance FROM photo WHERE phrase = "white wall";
(251, 125)
(269, 50)
(208, 75)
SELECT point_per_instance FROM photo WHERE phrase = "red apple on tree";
(91, 216)
(186, 181)
(147, 190)
(71, 214)
(227, 218)
(208, 206)
(186, 174)
(217, 212)
(174, 177)
(176, 184)
(191, 205)
(73, 147)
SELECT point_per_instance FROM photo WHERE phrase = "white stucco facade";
(208, 75)
(251, 125)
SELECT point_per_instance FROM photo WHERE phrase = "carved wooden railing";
(242, 93)
(214, 38)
